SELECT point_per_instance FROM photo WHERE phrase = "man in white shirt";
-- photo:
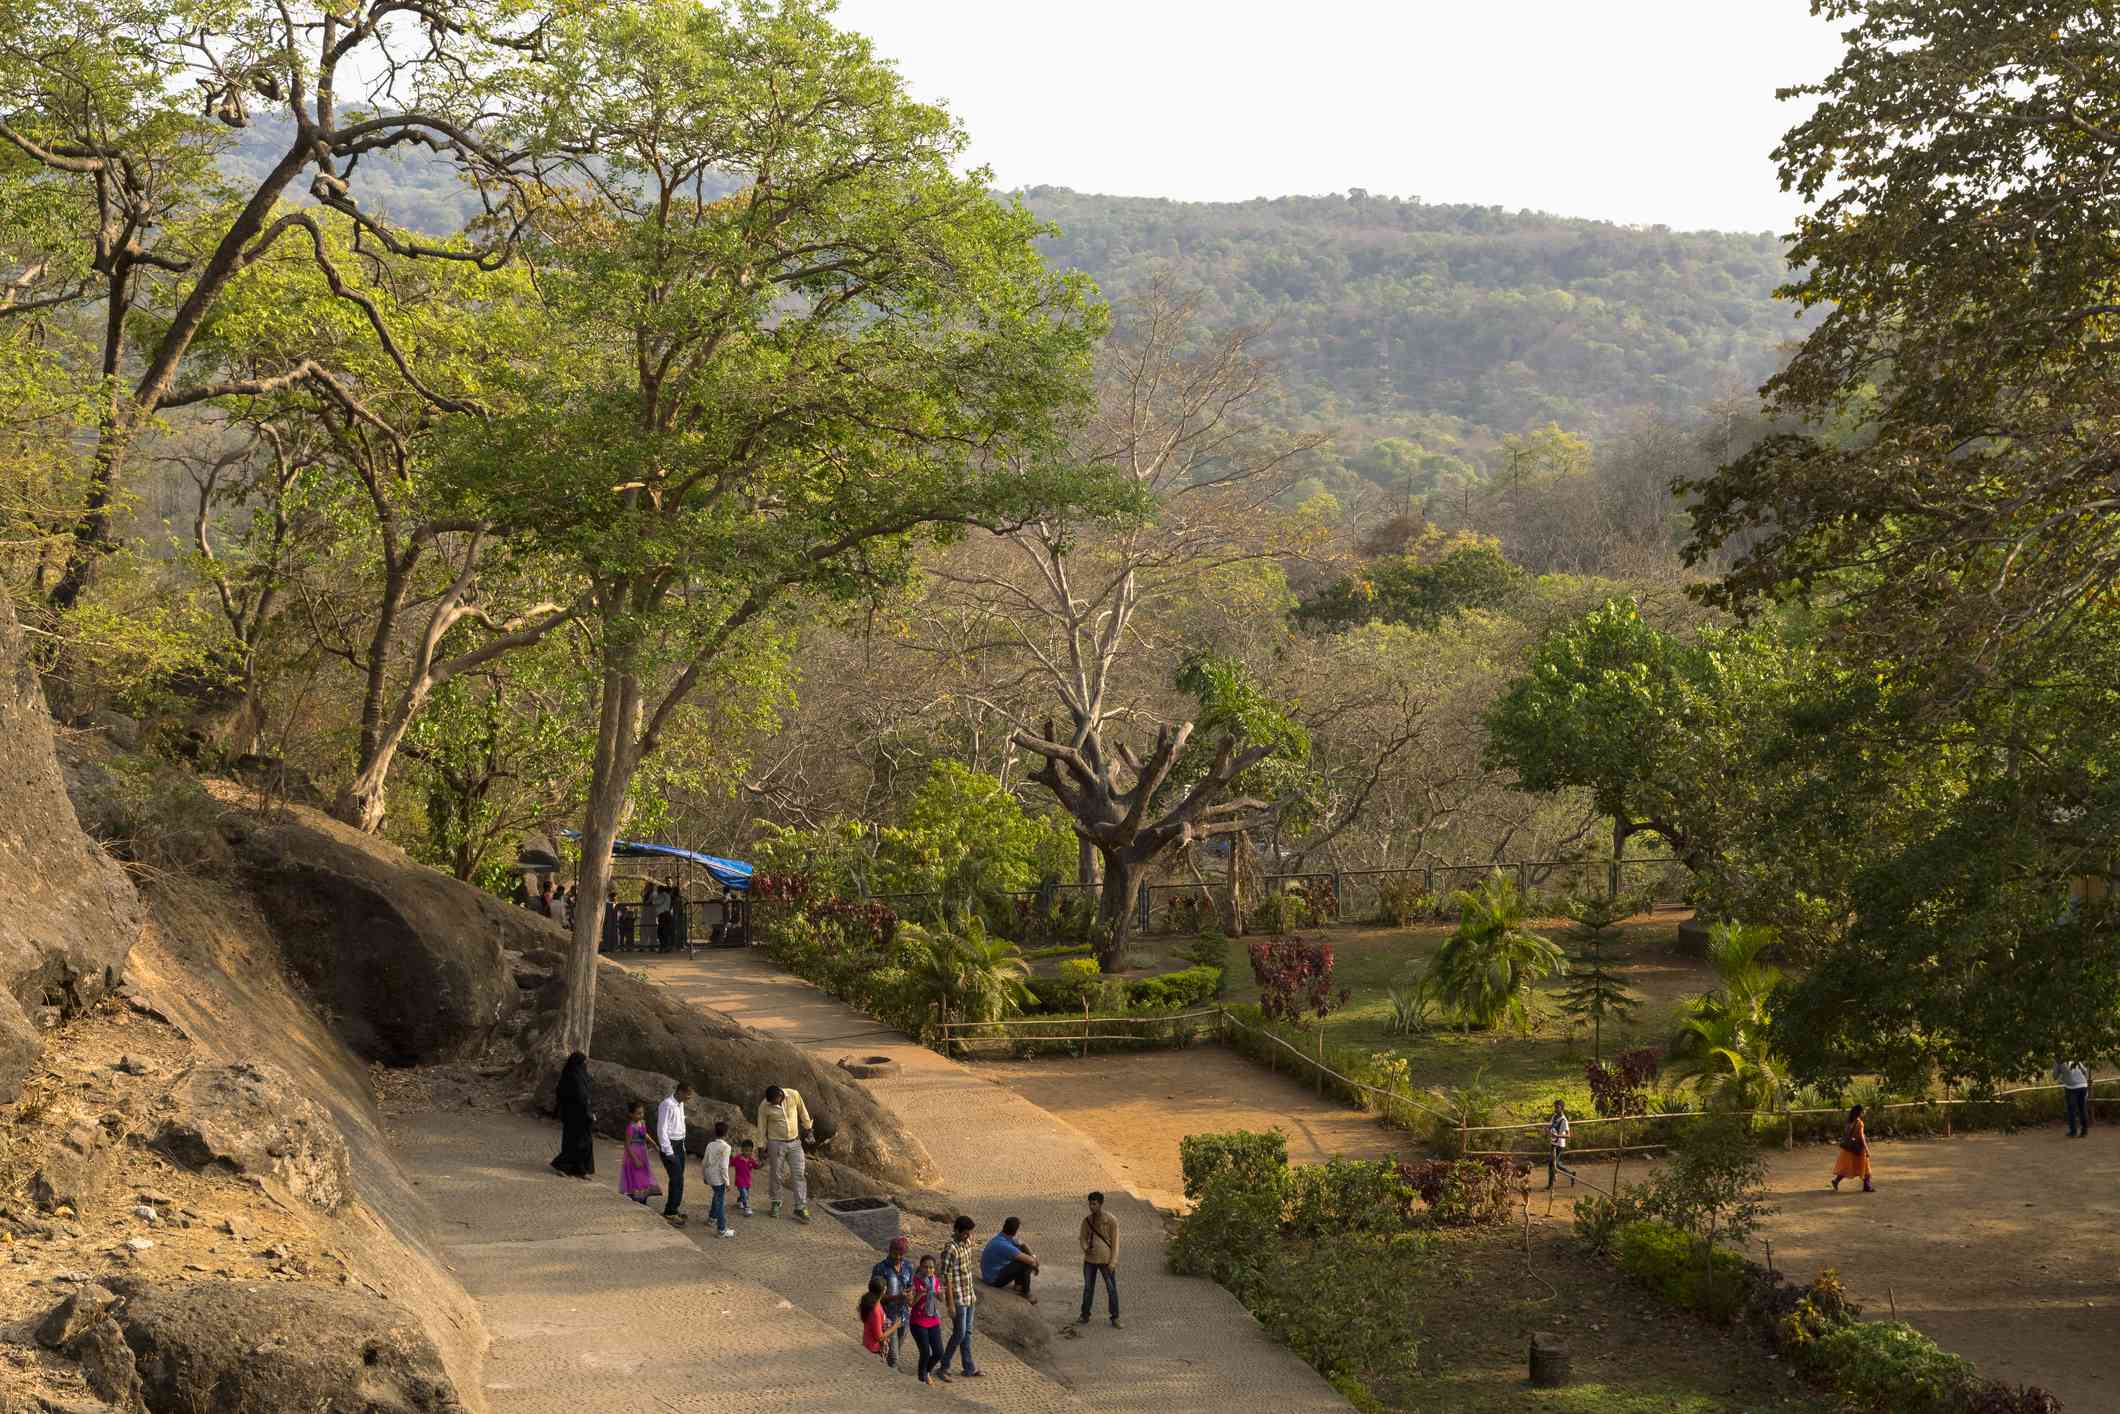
(2075, 1078)
(1557, 1146)
(670, 1139)
(715, 1168)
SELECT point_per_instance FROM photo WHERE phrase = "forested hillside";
(1384, 317)
(1379, 307)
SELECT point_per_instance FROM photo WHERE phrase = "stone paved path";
(595, 1304)
(1187, 1345)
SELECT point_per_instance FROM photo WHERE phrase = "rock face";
(65, 1322)
(71, 914)
(74, 1171)
(405, 962)
(252, 1119)
(282, 1346)
(646, 1027)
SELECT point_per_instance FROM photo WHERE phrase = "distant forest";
(1435, 329)
(1380, 306)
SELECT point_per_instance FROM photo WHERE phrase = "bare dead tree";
(1179, 415)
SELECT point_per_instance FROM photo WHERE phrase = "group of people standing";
(902, 1297)
(783, 1121)
(944, 1287)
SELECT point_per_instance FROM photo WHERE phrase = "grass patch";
(1527, 1071)
(1629, 1354)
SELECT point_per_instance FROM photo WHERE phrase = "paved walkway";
(1187, 1344)
(594, 1303)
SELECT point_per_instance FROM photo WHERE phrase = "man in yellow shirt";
(784, 1123)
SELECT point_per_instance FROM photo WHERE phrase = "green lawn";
(1527, 1070)
(1631, 1354)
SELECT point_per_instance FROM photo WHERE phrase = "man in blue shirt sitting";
(1007, 1261)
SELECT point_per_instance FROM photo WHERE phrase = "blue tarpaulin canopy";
(729, 873)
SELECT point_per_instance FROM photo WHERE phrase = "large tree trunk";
(1116, 903)
(361, 803)
(611, 772)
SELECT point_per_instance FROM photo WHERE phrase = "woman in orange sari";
(1854, 1157)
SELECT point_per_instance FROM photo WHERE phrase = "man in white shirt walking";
(2075, 1078)
(784, 1122)
(670, 1139)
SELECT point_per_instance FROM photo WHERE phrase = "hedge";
(1171, 991)
(1872, 1367)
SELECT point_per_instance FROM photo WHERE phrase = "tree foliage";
(1593, 993)
(1485, 970)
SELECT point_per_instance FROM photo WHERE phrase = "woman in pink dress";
(634, 1178)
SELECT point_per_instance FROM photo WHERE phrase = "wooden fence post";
(1321, 1056)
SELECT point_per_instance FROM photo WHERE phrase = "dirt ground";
(1138, 1105)
(1999, 1247)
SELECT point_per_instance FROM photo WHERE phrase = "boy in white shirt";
(715, 1165)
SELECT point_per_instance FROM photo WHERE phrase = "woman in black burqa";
(577, 1147)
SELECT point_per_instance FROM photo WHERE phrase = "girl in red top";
(874, 1328)
(924, 1317)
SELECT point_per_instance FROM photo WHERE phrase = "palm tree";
(1725, 1041)
(968, 976)
(1484, 971)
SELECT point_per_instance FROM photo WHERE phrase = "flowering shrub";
(1622, 1088)
(1465, 1192)
(1295, 978)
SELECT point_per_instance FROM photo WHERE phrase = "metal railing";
(1365, 895)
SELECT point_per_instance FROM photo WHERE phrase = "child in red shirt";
(875, 1328)
(741, 1167)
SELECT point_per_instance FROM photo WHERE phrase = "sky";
(1643, 112)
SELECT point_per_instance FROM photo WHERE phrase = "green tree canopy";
(769, 397)
(1412, 590)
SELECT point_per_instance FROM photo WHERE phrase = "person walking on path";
(1854, 1157)
(784, 1123)
(2075, 1078)
(924, 1314)
(961, 1291)
(877, 1327)
(670, 1140)
(1006, 1261)
(577, 1140)
(714, 1167)
(896, 1274)
(1100, 1253)
(635, 1180)
(1557, 1146)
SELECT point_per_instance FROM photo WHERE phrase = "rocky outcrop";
(252, 1119)
(71, 915)
(65, 1322)
(74, 1170)
(648, 1027)
(405, 962)
(238, 1348)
